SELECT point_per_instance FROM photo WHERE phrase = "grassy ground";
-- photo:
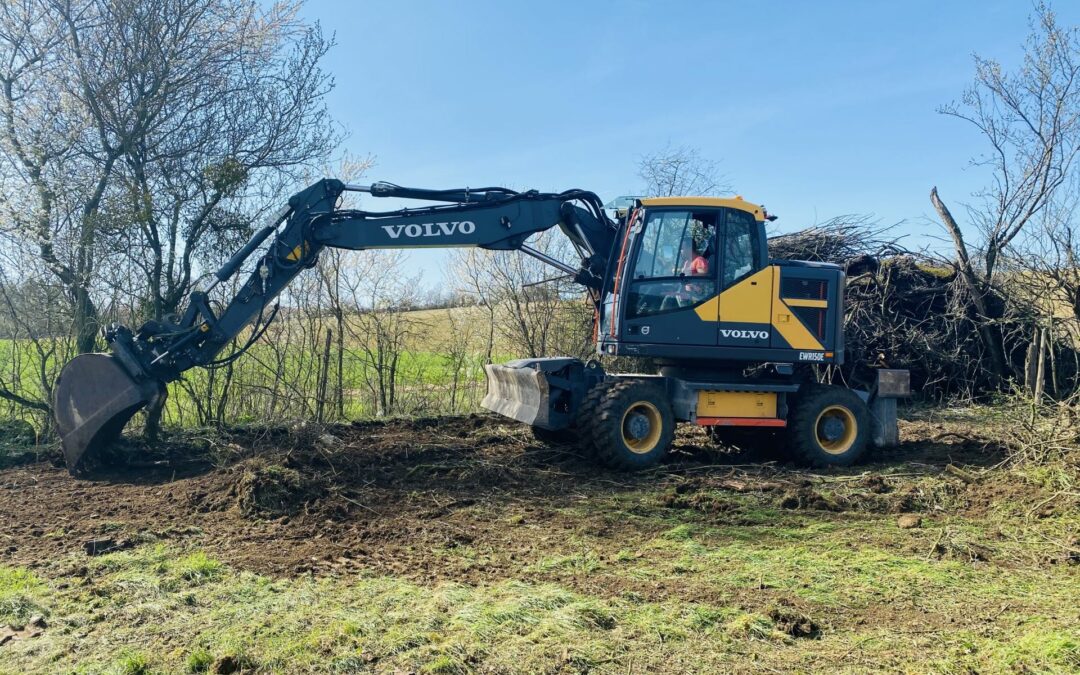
(555, 566)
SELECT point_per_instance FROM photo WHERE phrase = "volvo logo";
(417, 230)
(745, 334)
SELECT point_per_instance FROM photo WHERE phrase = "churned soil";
(469, 499)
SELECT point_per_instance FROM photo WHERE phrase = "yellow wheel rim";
(635, 417)
(833, 443)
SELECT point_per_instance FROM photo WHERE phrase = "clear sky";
(815, 109)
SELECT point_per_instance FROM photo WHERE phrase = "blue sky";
(815, 109)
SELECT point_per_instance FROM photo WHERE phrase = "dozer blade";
(519, 392)
(94, 398)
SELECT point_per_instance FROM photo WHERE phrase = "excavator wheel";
(633, 424)
(828, 426)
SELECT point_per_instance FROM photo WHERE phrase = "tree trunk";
(324, 375)
(339, 390)
(1031, 358)
(987, 334)
(1053, 361)
(223, 400)
(86, 321)
(152, 429)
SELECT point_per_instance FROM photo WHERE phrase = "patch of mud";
(876, 484)
(792, 621)
(715, 495)
(703, 502)
(399, 497)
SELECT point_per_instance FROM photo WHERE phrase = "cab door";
(672, 276)
(746, 283)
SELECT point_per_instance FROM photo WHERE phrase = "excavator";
(683, 284)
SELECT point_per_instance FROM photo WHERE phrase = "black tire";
(828, 426)
(586, 414)
(633, 425)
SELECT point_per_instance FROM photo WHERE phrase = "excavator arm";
(97, 394)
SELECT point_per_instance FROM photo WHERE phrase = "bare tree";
(458, 352)
(151, 134)
(1030, 119)
(1042, 271)
(32, 339)
(382, 329)
(1052, 251)
(680, 171)
(57, 164)
(468, 267)
(235, 116)
(529, 304)
(331, 267)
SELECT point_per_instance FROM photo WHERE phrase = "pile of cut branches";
(906, 310)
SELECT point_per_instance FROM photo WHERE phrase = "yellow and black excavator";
(685, 282)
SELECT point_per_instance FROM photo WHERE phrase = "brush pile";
(905, 310)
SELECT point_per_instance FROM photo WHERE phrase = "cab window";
(740, 246)
(676, 262)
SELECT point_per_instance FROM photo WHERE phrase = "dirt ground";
(477, 501)
(388, 496)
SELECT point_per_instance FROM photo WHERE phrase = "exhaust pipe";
(93, 400)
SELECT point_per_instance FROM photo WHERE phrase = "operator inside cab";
(697, 249)
(676, 262)
(696, 261)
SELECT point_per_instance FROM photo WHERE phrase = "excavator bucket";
(94, 398)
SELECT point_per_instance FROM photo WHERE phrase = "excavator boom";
(97, 394)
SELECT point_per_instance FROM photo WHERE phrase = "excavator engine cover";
(94, 398)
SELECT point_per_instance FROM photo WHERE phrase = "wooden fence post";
(324, 375)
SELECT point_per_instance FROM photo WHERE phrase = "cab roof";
(711, 202)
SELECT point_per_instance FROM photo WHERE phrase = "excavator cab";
(693, 282)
